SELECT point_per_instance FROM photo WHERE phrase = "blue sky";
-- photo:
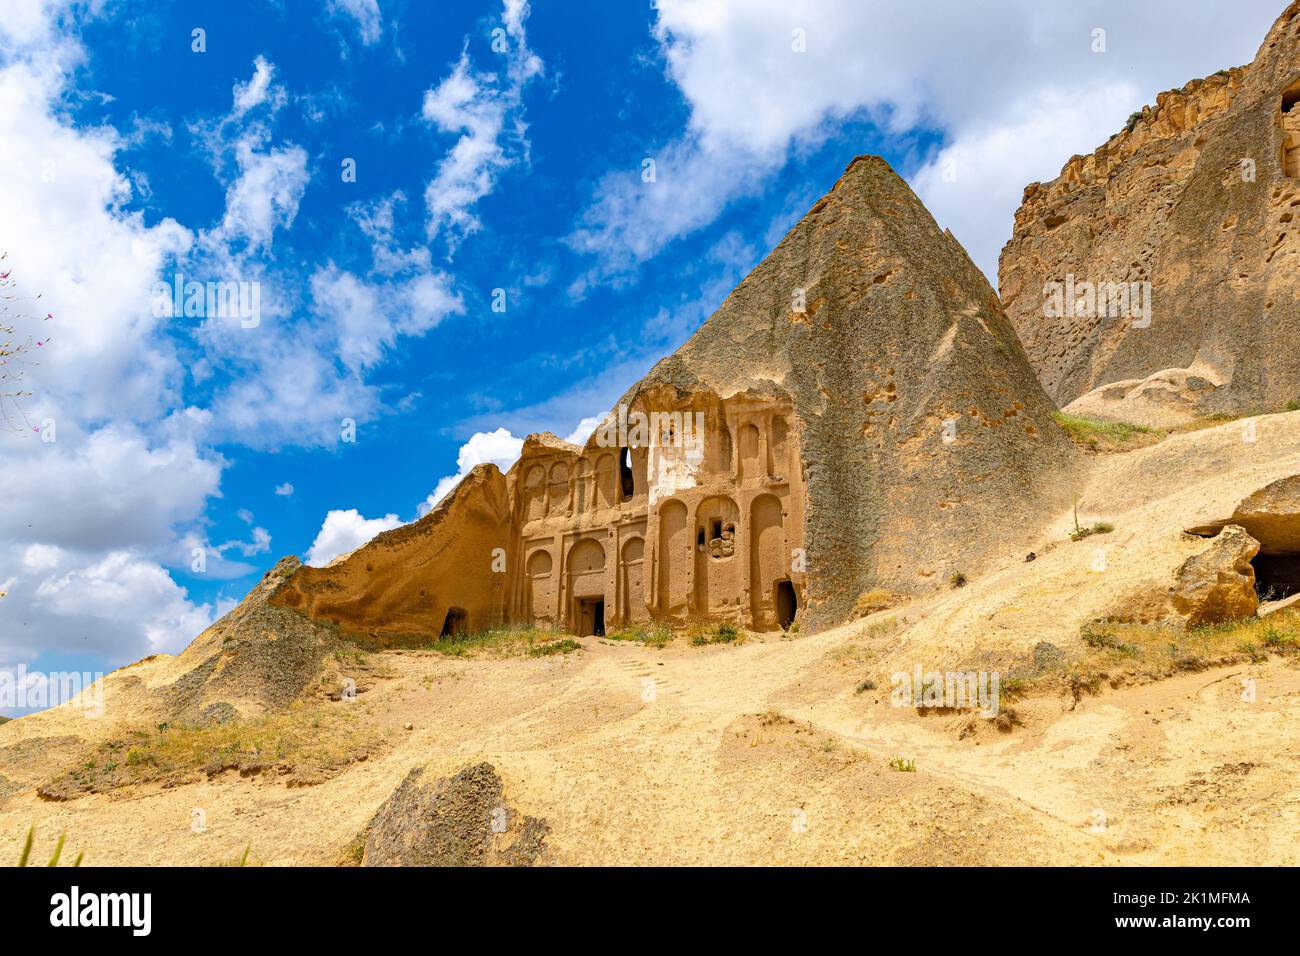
(128, 156)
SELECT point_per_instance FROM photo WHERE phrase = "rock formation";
(1155, 280)
(461, 820)
(857, 413)
(1218, 584)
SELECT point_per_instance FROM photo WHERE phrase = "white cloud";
(109, 488)
(265, 194)
(584, 428)
(366, 13)
(499, 447)
(344, 532)
(485, 108)
(284, 490)
(975, 183)
(120, 606)
(268, 182)
(969, 72)
(255, 91)
(369, 317)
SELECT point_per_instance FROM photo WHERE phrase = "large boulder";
(460, 820)
(1219, 583)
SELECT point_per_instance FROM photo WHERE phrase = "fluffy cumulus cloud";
(498, 447)
(484, 110)
(764, 79)
(344, 532)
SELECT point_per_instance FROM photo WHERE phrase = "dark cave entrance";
(787, 604)
(1276, 575)
(626, 483)
(453, 625)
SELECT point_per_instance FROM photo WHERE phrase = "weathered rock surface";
(460, 820)
(1270, 515)
(1219, 583)
(1198, 196)
(258, 657)
(926, 440)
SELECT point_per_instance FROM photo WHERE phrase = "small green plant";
(1104, 640)
(242, 860)
(1293, 405)
(58, 850)
(724, 633)
(902, 764)
(958, 580)
(1132, 121)
(1078, 533)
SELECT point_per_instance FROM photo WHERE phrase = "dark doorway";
(591, 617)
(625, 482)
(787, 604)
(453, 625)
(1276, 575)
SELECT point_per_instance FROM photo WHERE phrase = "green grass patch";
(1078, 533)
(652, 634)
(1134, 653)
(722, 634)
(496, 642)
(305, 744)
(554, 647)
(902, 764)
(1099, 435)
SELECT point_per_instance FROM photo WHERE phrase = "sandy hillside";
(777, 749)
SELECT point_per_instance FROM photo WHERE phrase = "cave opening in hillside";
(787, 604)
(1276, 575)
(1289, 120)
(453, 625)
(1290, 97)
(625, 483)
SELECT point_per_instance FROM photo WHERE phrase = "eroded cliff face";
(409, 585)
(926, 442)
(1155, 280)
